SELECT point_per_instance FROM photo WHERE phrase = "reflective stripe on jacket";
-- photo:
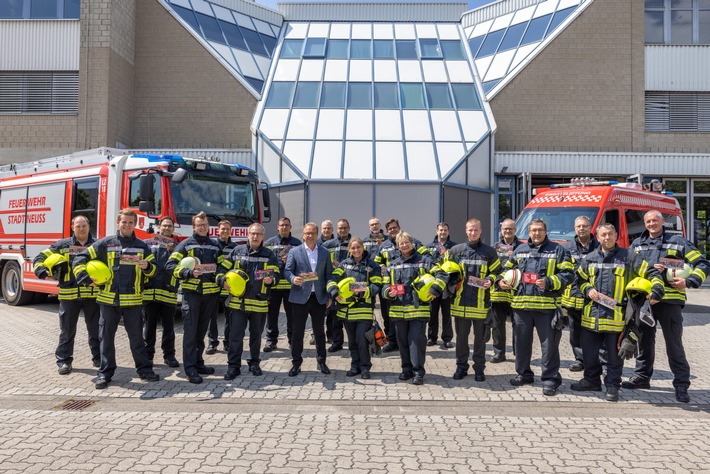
(256, 295)
(207, 251)
(404, 271)
(281, 246)
(363, 303)
(69, 289)
(573, 298)
(478, 261)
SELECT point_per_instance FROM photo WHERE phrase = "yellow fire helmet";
(344, 290)
(98, 271)
(684, 272)
(422, 284)
(449, 266)
(237, 281)
(512, 277)
(639, 284)
(189, 262)
(55, 260)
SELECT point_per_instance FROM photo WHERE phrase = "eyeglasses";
(392, 229)
(508, 229)
(284, 225)
(256, 233)
(310, 233)
(201, 225)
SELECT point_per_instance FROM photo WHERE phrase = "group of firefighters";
(611, 298)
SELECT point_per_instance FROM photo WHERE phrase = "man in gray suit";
(308, 268)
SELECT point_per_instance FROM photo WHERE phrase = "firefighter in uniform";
(357, 309)
(200, 293)
(226, 244)
(605, 272)
(326, 232)
(666, 251)
(546, 269)
(470, 308)
(130, 263)
(73, 298)
(501, 299)
(409, 310)
(160, 295)
(260, 273)
(572, 301)
(377, 236)
(387, 252)
(438, 248)
(280, 245)
(338, 248)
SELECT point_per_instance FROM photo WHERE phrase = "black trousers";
(525, 322)
(358, 345)
(272, 320)
(670, 317)
(68, 319)
(334, 327)
(213, 330)
(165, 313)
(592, 342)
(240, 320)
(411, 339)
(447, 331)
(133, 323)
(300, 315)
(196, 310)
(463, 329)
(575, 332)
(501, 313)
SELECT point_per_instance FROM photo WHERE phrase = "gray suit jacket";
(297, 263)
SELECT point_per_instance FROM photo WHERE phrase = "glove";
(559, 320)
(43, 275)
(628, 348)
(646, 314)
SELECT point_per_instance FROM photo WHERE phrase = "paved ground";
(317, 423)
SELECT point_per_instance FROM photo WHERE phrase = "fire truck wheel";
(12, 289)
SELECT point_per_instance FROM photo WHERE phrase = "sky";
(471, 3)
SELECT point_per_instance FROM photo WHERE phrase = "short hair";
(473, 221)
(582, 218)
(539, 222)
(402, 236)
(656, 212)
(224, 222)
(127, 213)
(508, 220)
(199, 215)
(442, 224)
(327, 221)
(392, 221)
(73, 219)
(166, 218)
(257, 225)
(606, 226)
(310, 224)
(344, 220)
(373, 219)
(285, 219)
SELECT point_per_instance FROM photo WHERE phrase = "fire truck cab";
(39, 199)
(621, 204)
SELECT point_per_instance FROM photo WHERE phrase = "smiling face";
(537, 233)
(126, 224)
(201, 227)
(310, 235)
(473, 232)
(343, 229)
(356, 250)
(405, 246)
(442, 233)
(393, 230)
(80, 227)
(166, 228)
(654, 223)
(224, 231)
(606, 237)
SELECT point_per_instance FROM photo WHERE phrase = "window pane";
(72, 8)
(384, 49)
(704, 4)
(234, 37)
(406, 49)
(704, 30)
(488, 86)
(536, 30)
(360, 49)
(269, 43)
(188, 16)
(333, 95)
(429, 48)
(681, 27)
(307, 95)
(452, 49)
(253, 41)
(43, 9)
(654, 3)
(466, 97)
(257, 84)
(412, 96)
(360, 95)
(513, 37)
(210, 28)
(653, 33)
(386, 96)
(291, 48)
(438, 96)
(559, 17)
(10, 9)
(280, 95)
(337, 49)
(490, 45)
(315, 48)
(682, 4)
(475, 45)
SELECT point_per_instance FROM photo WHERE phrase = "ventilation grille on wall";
(39, 92)
(677, 111)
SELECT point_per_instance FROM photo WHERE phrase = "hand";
(487, 284)
(392, 292)
(503, 285)
(298, 281)
(340, 300)
(540, 283)
(196, 273)
(593, 294)
(660, 267)
(268, 280)
(330, 302)
(225, 285)
(652, 302)
(678, 283)
(433, 295)
(143, 264)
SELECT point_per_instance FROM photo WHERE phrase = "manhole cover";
(75, 405)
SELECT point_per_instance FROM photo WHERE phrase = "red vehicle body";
(39, 199)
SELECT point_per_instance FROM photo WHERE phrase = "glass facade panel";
(513, 36)
(438, 96)
(475, 45)
(406, 49)
(360, 95)
(412, 96)
(361, 49)
(558, 18)
(257, 84)
(681, 27)
(72, 8)
(280, 95)
(254, 41)
(315, 48)
(384, 49)
(536, 30)
(210, 28)
(704, 27)
(188, 16)
(337, 49)
(490, 45)
(333, 95)
(234, 37)
(307, 95)
(429, 48)
(653, 28)
(269, 43)
(452, 49)
(291, 48)
(43, 9)
(466, 97)
(386, 96)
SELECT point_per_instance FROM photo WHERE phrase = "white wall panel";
(383, 31)
(385, 70)
(273, 123)
(449, 154)
(404, 31)
(361, 70)
(445, 124)
(459, 72)
(340, 30)
(421, 161)
(358, 160)
(361, 31)
(416, 125)
(286, 70)
(318, 30)
(409, 71)
(434, 71)
(359, 125)
(426, 30)
(389, 160)
(39, 45)
(336, 70)
(330, 124)
(311, 70)
(677, 68)
(302, 125)
(327, 159)
(299, 153)
(473, 123)
(448, 31)
(388, 125)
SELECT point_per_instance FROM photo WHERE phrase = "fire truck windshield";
(559, 220)
(220, 198)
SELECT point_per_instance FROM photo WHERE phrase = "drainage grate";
(75, 405)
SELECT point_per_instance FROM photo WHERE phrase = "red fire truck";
(39, 199)
(621, 204)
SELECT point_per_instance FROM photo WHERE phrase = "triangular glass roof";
(370, 100)
(501, 45)
(243, 44)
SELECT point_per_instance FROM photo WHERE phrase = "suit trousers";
(300, 315)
